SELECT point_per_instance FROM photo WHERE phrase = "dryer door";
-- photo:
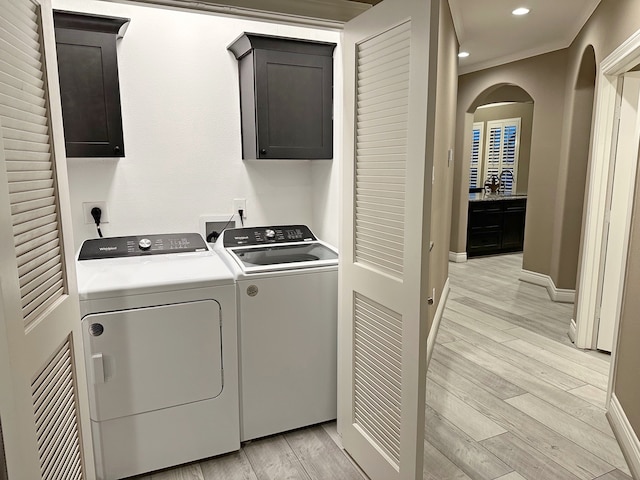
(151, 358)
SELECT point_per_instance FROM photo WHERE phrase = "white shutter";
(381, 149)
(477, 140)
(502, 152)
(24, 122)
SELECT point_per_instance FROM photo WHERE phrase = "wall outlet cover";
(88, 218)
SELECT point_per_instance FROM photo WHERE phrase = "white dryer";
(160, 341)
(288, 299)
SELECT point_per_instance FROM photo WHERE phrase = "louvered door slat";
(10, 83)
(389, 233)
(18, 187)
(45, 276)
(27, 227)
(374, 200)
(29, 175)
(49, 280)
(388, 396)
(383, 134)
(43, 301)
(51, 405)
(371, 237)
(34, 248)
(13, 166)
(11, 144)
(21, 115)
(26, 36)
(28, 9)
(381, 417)
(35, 233)
(30, 215)
(45, 265)
(370, 353)
(13, 124)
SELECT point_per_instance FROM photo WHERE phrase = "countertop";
(483, 197)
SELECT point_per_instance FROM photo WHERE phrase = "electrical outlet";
(86, 208)
(240, 204)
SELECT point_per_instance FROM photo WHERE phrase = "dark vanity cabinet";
(286, 97)
(495, 226)
(89, 88)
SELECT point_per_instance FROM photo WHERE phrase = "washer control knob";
(144, 244)
(270, 233)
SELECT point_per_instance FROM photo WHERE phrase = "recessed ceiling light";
(521, 11)
(463, 54)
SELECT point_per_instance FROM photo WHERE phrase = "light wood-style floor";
(508, 397)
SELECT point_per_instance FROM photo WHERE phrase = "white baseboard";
(626, 436)
(573, 329)
(562, 295)
(435, 326)
(458, 257)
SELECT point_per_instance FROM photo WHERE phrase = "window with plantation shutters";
(477, 139)
(501, 153)
(30, 169)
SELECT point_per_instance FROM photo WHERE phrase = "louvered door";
(44, 404)
(384, 245)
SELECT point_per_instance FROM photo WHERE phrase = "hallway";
(506, 402)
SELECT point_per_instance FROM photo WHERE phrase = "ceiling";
(485, 28)
(493, 36)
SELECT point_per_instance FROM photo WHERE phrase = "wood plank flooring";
(508, 398)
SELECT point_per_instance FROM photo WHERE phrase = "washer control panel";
(236, 237)
(135, 246)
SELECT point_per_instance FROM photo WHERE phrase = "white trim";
(458, 257)
(331, 14)
(626, 436)
(601, 158)
(572, 331)
(561, 295)
(437, 318)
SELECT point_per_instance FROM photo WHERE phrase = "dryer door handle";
(98, 368)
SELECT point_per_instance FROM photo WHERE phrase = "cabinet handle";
(116, 149)
(263, 151)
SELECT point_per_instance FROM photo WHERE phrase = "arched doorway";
(495, 105)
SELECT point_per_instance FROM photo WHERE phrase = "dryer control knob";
(269, 233)
(144, 244)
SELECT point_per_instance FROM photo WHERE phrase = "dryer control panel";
(236, 237)
(135, 246)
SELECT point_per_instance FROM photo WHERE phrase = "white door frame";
(620, 61)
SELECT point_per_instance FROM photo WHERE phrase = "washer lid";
(284, 257)
(117, 277)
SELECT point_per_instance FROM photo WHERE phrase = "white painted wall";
(181, 120)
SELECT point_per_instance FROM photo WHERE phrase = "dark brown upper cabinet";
(286, 97)
(89, 88)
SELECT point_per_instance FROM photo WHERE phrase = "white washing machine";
(287, 311)
(159, 327)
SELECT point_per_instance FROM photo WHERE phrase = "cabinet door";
(88, 71)
(513, 226)
(294, 96)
